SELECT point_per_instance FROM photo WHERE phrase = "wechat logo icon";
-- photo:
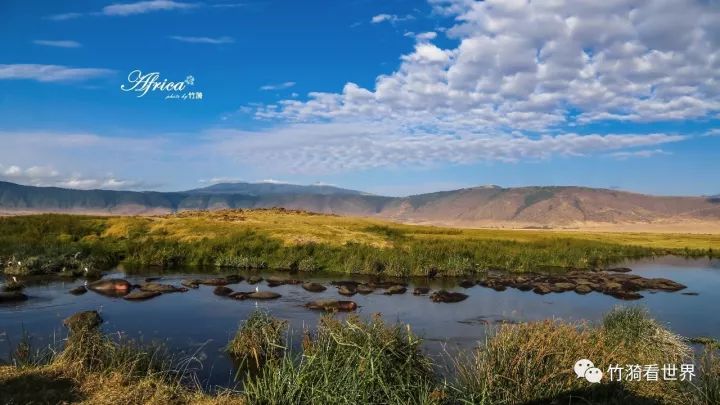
(586, 369)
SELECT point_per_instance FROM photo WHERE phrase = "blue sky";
(391, 97)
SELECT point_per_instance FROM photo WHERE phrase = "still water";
(200, 323)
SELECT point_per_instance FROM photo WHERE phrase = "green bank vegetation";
(301, 241)
(369, 361)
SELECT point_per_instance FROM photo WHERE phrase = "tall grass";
(261, 338)
(355, 361)
(533, 362)
(707, 390)
(351, 362)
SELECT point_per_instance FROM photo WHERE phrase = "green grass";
(66, 244)
(350, 362)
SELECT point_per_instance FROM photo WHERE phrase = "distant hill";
(472, 207)
(258, 189)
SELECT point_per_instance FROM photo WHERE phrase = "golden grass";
(56, 383)
(295, 227)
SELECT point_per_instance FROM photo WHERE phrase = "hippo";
(314, 287)
(396, 289)
(80, 290)
(111, 286)
(332, 305)
(445, 296)
(347, 290)
(222, 291)
(140, 295)
(421, 290)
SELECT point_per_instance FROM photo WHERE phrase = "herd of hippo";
(615, 282)
(116, 287)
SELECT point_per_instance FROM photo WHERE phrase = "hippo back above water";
(110, 285)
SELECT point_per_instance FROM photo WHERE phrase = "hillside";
(259, 189)
(491, 206)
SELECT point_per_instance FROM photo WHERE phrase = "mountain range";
(486, 206)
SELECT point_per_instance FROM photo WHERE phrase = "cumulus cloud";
(51, 73)
(278, 86)
(57, 43)
(521, 75)
(541, 65)
(204, 40)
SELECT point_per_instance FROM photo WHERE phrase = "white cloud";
(426, 36)
(713, 132)
(203, 40)
(273, 181)
(82, 160)
(64, 16)
(646, 153)
(533, 66)
(392, 18)
(51, 73)
(127, 9)
(347, 146)
(58, 43)
(44, 176)
(278, 86)
(520, 75)
(143, 7)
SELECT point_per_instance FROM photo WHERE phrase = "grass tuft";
(260, 339)
(350, 361)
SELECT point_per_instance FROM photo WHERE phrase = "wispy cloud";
(229, 5)
(57, 43)
(143, 7)
(713, 132)
(278, 86)
(127, 9)
(646, 153)
(51, 73)
(392, 18)
(203, 40)
(64, 16)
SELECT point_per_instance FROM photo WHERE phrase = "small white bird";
(257, 289)
(19, 264)
(86, 270)
(14, 279)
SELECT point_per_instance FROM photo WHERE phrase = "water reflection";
(199, 323)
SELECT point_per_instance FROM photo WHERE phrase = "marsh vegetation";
(355, 360)
(304, 242)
